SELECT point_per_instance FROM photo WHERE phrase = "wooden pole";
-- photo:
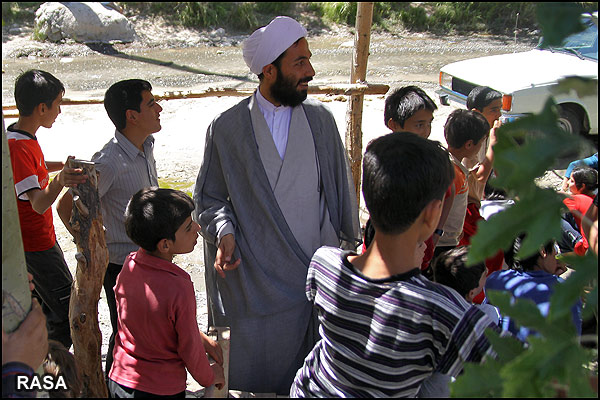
(92, 260)
(222, 335)
(364, 17)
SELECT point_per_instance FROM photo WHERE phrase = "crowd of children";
(398, 319)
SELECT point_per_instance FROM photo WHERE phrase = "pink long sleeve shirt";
(158, 336)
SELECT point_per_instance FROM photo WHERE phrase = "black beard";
(284, 90)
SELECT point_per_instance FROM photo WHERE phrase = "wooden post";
(362, 38)
(222, 336)
(92, 260)
(16, 296)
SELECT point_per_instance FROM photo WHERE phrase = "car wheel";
(569, 120)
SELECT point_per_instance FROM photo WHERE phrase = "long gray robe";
(272, 323)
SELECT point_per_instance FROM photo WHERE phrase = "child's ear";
(469, 144)
(163, 246)
(431, 214)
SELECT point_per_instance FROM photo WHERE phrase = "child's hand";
(69, 177)
(213, 349)
(219, 381)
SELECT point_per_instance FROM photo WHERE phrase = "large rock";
(82, 22)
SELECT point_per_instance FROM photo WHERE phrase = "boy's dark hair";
(60, 361)
(587, 176)
(35, 87)
(404, 102)
(450, 269)
(481, 97)
(528, 263)
(123, 96)
(462, 126)
(402, 173)
(153, 214)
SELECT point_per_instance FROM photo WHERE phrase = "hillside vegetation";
(244, 17)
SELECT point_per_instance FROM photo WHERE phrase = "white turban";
(269, 42)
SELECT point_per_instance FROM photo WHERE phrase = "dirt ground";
(396, 59)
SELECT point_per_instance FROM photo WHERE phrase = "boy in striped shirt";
(384, 327)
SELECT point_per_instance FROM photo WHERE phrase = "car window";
(582, 44)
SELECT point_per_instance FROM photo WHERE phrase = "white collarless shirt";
(278, 120)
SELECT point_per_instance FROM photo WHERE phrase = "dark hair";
(404, 102)
(481, 97)
(35, 87)
(462, 126)
(153, 214)
(528, 263)
(60, 361)
(402, 173)
(450, 269)
(123, 96)
(494, 193)
(587, 176)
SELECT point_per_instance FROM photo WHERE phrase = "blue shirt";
(537, 286)
(124, 170)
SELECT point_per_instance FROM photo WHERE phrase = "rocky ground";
(396, 59)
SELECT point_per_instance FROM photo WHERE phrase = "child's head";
(487, 101)
(465, 130)
(161, 217)
(35, 89)
(450, 269)
(402, 174)
(409, 109)
(123, 96)
(60, 361)
(583, 180)
(543, 260)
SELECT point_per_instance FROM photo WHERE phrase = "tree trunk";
(92, 260)
(16, 296)
(364, 17)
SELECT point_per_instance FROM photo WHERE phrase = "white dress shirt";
(278, 120)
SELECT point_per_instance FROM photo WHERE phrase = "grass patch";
(185, 187)
(18, 12)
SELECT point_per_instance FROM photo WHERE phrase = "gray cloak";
(273, 326)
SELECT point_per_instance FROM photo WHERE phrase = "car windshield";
(582, 44)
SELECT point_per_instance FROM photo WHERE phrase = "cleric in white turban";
(269, 42)
(274, 186)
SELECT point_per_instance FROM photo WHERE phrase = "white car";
(526, 79)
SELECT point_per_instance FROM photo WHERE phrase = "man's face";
(491, 112)
(419, 123)
(291, 85)
(51, 113)
(549, 263)
(148, 119)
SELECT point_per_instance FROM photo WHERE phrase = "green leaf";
(517, 166)
(591, 304)
(501, 229)
(507, 348)
(478, 380)
(558, 20)
(582, 86)
(568, 293)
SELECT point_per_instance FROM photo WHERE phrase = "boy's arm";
(42, 199)
(485, 169)
(64, 208)
(54, 166)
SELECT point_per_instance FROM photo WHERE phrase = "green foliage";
(185, 187)
(554, 364)
(18, 12)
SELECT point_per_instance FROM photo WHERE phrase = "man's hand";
(223, 260)
(29, 343)
(493, 138)
(212, 348)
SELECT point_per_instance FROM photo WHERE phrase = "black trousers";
(53, 281)
(110, 279)
(117, 391)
